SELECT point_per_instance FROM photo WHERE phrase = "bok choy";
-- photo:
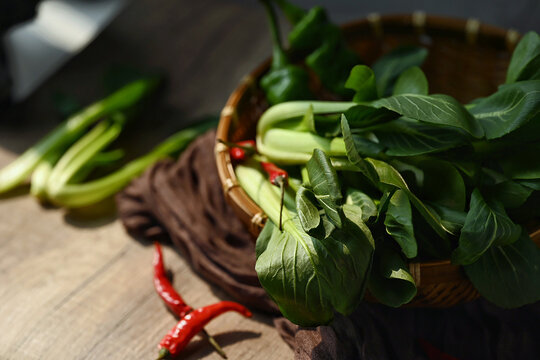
(398, 175)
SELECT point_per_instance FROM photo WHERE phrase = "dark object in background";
(15, 11)
(5, 83)
(12, 12)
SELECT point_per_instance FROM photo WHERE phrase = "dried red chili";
(172, 298)
(164, 288)
(240, 150)
(191, 324)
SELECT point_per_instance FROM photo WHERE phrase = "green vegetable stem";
(19, 170)
(80, 154)
(279, 140)
(284, 81)
(281, 124)
(84, 194)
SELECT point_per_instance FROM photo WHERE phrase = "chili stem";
(214, 343)
(163, 353)
(282, 189)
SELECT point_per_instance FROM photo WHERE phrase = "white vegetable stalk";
(287, 146)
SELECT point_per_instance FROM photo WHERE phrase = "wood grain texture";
(76, 286)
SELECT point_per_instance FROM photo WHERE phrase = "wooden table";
(75, 285)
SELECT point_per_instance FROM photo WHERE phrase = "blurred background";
(222, 39)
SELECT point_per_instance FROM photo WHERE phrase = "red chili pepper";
(179, 336)
(275, 174)
(172, 298)
(164, 288)
(278, 177)
(250, 144)
(241, 149)
(237, 154)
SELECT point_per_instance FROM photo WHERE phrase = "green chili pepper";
(312, 30)
(284, 81)
(314, 34)
(332, 62)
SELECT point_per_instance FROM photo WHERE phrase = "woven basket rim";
(471, 29)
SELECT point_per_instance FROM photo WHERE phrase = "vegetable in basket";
(399, 175)
(284, 81)
(327, 54)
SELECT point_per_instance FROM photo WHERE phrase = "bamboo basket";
(466, 59)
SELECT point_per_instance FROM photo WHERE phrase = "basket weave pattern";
(466, 60)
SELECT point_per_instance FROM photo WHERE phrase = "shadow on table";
(93, 216)
(17, 192)
(201, 348)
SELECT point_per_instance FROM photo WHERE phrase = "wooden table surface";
(75, 285)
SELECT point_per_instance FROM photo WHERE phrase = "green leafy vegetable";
(525, 62)
(390, 281)
(433, 109)
(362, 81)
(530, 184)
(486, 224)
(324, 182)
(308, 213)
(421, 176)
(388, 175)
(389, 67)
(453, 220)
(363, 202)
(407, 137)
(399, 225)
(508, 275)
(511, 107)
(327, 273)
(509, 193)
(308, 277)
(362, 116)
(411, 81)
(443, 184)
(353, 147)
(522, 163)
